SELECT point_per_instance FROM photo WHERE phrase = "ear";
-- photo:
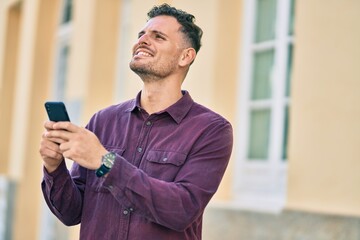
(187, 57)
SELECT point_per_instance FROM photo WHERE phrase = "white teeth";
(143, 54)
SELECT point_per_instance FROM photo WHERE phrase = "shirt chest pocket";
(164, 165)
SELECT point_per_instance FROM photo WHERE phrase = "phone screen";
(57, 112)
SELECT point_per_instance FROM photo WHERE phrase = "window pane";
(62, 73)
(285, 137)
(265, 20)
(292, 17)
(259, 134)
(67, 12)
(289, 70)
(262, 73)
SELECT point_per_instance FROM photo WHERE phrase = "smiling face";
(158, 51)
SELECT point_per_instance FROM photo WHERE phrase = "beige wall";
(35, 55)
(92, 65)
(9, 42)
(26, 57)
(325, 110)
(324, 166)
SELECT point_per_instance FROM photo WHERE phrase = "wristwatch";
(107, 162)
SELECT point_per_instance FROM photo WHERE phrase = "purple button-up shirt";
(168, 166)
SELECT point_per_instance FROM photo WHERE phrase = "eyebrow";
(153, 31)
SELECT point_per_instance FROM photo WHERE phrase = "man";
(146, 168)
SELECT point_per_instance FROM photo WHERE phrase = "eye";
(158, 36)
(140, 34)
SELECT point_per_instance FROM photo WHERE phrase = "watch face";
(108, 163)
(108, 160)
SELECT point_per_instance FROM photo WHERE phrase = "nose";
(143, 39)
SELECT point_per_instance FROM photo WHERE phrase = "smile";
(141, 53)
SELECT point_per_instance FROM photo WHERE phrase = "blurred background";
(285, 73)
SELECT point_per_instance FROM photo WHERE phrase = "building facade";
(285, 73)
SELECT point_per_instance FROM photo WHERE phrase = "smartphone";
(57, 112)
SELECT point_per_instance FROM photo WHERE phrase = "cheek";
(134, 47)
(168, 59)
(172, 53)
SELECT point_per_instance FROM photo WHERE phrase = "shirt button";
(148, 123)
(139, 149)
(125, 212)
(165, 159)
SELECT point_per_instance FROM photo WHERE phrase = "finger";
(48, 125)
(49, 149)
(68, 126)
(58, 136)
(46, 143)
(64, 147)
(48, 154)
(56, 140)
(67, 151)
(46, 136)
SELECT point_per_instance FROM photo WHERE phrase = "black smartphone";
(57, 112)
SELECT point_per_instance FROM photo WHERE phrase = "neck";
(157, 96)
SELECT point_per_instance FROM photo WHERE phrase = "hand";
(50, 150)
(76, 143)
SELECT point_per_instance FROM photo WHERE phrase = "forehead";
(164, 24)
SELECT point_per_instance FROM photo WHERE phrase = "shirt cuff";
(57, 174)
(119, 176)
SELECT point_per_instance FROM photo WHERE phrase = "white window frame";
(261, 185)
(7, 199)
(63, 37)
(123, 46)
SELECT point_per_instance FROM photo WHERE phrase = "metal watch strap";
(107, 159)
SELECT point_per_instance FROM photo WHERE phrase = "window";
(61, 69)
(260, 182)
(7, 199)
(63, 50)
(66, 15)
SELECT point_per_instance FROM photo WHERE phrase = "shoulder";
(112, 112)
(204, 114)
(209, 128)
(206, 122)
(126, 106)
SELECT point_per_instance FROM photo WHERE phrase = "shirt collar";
(177, 111)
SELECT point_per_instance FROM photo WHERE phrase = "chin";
(141, 71)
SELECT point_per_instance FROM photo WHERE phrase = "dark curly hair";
(192, 32)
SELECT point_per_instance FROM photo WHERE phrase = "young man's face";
(157, 52)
